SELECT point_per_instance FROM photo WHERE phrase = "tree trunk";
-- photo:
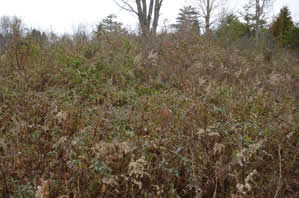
(156, 15)
(144, 11)
(257, 19)
(148, 25)
(150, 12)
(208, 17)
(142, 17)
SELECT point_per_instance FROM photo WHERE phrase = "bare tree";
(207, 10)
(148, 12)
(260, 6)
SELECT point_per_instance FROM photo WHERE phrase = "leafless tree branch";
(126, 6)
(144, 10)
(207, 9)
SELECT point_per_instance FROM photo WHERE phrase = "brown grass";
(110, 118)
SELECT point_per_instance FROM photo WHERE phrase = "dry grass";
(110, 118)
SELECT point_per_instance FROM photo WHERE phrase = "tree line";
(250, 22)
(203, 17)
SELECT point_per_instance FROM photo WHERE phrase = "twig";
(280, 174)
(97, 126)
(129, 8)
(215, 191)
(198, 190)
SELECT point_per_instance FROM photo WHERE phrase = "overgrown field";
(120, 116)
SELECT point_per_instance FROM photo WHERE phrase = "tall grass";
(118, 116)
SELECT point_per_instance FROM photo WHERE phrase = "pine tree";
(292, 38)
(187, 20)
(231, 28)
(250, 16)
(282, 25)
(110, 25)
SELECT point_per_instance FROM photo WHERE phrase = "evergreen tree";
(187, 20)
(250, 18)
(231, 28)
(37, 36)
(110, 25)
(283, 26)
(291, 38)
(2, 43)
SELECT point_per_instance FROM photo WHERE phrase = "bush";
(181, 117)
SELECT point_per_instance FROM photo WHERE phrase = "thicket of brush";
(170, 116)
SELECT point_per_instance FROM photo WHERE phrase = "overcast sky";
(65, 15)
